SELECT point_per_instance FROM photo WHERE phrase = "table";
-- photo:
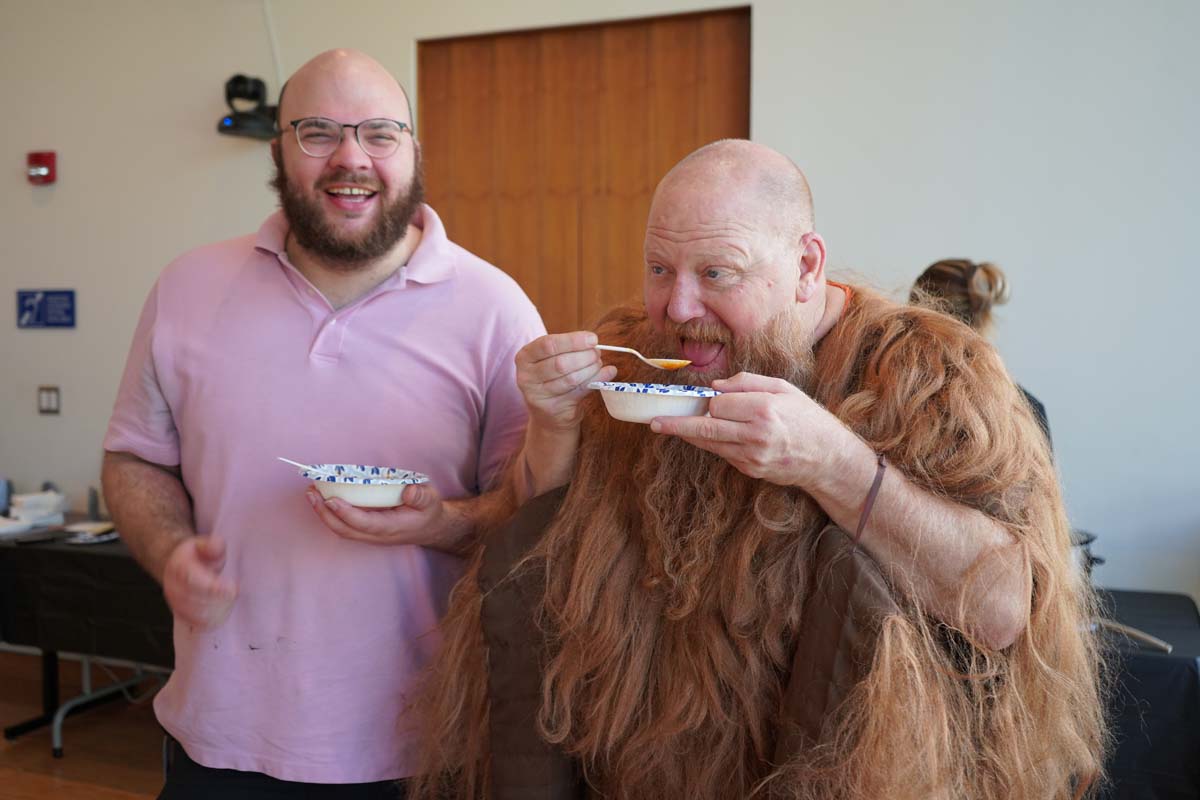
(94, 600)
(1155, 709)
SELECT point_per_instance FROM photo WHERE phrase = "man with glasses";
(349, 329)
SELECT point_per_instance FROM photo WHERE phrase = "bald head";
(338, 231)
(767, 184)
(348, 75)
(729, 247)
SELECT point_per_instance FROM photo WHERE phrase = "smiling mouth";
(351, 195)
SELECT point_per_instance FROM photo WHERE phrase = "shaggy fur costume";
(674, 605)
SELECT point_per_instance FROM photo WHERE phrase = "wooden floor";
(112, 752)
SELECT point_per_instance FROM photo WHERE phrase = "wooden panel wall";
(542, 148)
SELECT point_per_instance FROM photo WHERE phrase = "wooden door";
(542, 148)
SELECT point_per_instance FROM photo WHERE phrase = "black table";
(1155, 707)
(94, 600)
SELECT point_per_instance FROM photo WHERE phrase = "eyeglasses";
(319, 137)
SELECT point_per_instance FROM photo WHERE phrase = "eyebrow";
(724, 256)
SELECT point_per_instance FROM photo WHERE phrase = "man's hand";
(422, 520)
(193, 585)
(765, 427)
(553, 372)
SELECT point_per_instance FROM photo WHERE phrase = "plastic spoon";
(661, 363)
(294, 463)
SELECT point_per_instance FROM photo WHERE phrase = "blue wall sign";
(45, 308)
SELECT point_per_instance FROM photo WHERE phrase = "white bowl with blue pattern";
(642, 402)
(363, 485)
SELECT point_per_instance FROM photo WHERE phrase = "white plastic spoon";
(661, 363)
(294, 463)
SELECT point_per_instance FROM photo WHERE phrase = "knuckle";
(564, 386)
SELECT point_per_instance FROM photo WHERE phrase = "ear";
(811, 266)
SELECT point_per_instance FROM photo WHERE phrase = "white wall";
(1057, 139)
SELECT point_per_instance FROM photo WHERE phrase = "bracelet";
(871, 495)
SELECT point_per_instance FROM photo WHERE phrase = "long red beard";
(674, 599)
(675, 584)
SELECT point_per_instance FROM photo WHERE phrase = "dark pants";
(187, 780)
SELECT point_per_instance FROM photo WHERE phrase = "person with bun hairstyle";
(968, 290)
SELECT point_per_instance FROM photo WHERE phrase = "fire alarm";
(41, 167)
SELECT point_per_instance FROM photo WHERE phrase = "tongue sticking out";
(701, 354)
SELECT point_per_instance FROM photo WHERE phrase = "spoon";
(661, 363)
(294, 463)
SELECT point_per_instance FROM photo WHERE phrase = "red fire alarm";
(41, 167)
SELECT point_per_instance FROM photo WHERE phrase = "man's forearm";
(465, 520)
(545, 461)
(934, 548)
(149, 506)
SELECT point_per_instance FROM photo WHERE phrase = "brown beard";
(688, 498)
(315, 234)
(673, 554)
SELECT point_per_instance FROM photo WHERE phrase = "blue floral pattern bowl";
(642, 402)
(363, 485)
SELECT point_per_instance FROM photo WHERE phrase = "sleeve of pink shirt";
(505, 413)
(141, 421)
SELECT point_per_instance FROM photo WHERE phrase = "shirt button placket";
(329, 340)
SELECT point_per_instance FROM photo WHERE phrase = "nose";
(685, 303)
(349, 155)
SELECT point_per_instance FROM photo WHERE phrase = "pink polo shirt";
(237, 359)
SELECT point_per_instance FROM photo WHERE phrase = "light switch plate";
(49, 400)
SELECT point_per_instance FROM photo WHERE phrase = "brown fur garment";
(674, 586)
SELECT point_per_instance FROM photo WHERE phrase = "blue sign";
(45, 308)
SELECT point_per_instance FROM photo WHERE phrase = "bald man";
(852, 579)
(349, 329)
(720, 266)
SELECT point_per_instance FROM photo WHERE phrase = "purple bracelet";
(871, 495)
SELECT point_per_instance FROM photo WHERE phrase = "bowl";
(642, 402)
(362, 485)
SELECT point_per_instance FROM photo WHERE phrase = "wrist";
(168, 551)
(872, 493)
(548, 425)
(464, 522)
(845, 464)
(547, 458)
(452, 526)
